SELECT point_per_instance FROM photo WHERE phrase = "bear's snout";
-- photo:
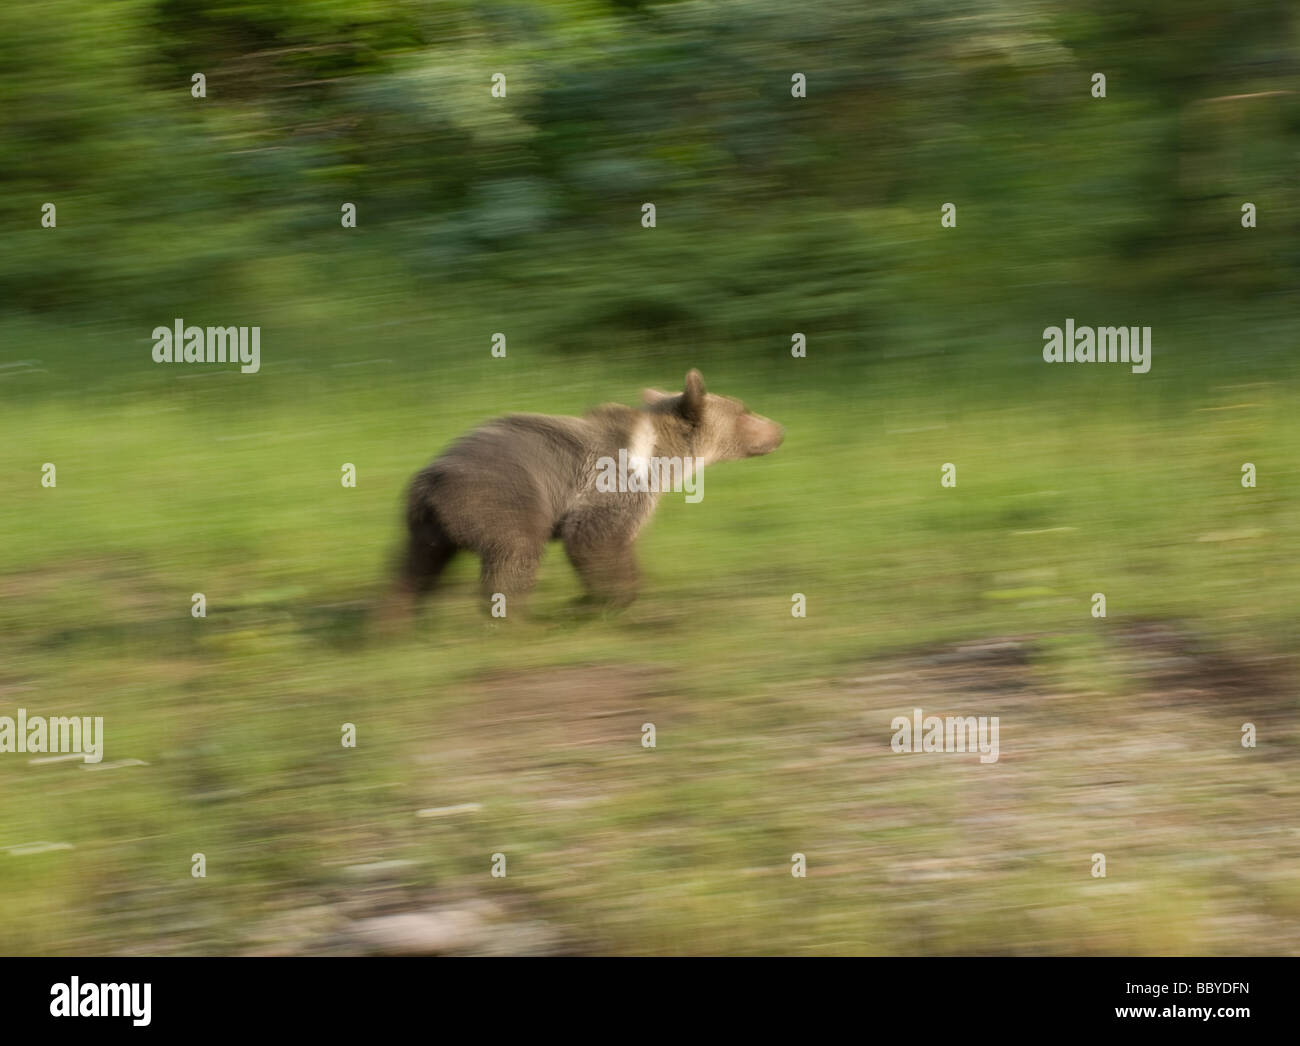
(762, 435)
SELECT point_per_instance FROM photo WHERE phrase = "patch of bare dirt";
(572, 706)
(1181, 666)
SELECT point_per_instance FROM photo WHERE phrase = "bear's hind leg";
(427, 556)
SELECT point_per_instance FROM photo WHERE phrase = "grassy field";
(1119, 735)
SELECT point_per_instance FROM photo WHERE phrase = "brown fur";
(504, 490)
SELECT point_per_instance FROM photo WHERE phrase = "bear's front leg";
(607, 568)
(508, 575)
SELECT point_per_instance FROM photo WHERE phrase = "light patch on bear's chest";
(641, 446)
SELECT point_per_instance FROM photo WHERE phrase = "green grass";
(1070, 481)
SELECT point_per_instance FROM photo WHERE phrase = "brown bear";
(507, 488)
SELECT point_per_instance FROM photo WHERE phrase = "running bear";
(504, 490)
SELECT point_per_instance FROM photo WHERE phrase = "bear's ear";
(693, 395)
(652, 396)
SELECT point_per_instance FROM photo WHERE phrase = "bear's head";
(722, 428)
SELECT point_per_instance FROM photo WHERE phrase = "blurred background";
(776, 215)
